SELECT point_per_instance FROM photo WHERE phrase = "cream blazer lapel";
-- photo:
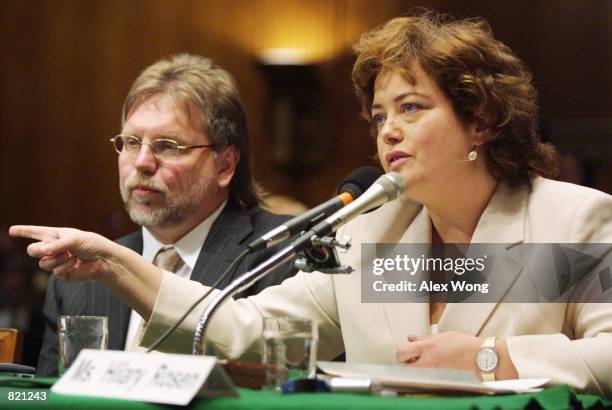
(503, 221)
(406, 319)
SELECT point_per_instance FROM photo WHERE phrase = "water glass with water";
(77, 333)
(289, 349)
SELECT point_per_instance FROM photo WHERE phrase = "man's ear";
(227, 161)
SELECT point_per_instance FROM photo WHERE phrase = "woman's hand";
(83, 256)
(451, 350)
(69, 253)
(454, 350)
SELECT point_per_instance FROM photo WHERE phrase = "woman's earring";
(473, 154)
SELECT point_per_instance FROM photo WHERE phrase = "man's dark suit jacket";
(229, 235)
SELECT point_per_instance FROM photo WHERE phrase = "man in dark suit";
(184, 176)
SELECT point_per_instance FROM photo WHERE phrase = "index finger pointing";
(39, 233)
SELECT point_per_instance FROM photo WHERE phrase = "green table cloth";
(558, 397)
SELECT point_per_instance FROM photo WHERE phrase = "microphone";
(385, 189)
(349, 189)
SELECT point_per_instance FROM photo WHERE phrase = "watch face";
(486, 360)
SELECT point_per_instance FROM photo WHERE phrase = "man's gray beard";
(175, 209)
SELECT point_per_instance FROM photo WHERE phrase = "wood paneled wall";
(66, 66)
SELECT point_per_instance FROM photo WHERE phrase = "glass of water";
(80, 332)
(289, 349)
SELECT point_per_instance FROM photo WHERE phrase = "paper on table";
(404, 378)
(519, 385)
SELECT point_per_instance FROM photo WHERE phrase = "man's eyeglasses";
(161, 148)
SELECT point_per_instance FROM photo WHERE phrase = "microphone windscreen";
(359, 181)
(393, 185)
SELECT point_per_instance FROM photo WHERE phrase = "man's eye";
(132, 142)
(378, 119)
(162, 146)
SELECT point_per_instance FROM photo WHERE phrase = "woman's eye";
(378, 119)
(407, 107)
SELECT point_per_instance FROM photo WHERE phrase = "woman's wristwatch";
(487, 360)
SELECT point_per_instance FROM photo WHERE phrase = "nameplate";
(156, 378)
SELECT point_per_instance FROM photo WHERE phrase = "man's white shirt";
(188, 248)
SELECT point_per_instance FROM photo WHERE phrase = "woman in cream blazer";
(453, 111)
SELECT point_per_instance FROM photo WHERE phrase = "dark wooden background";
(66, 66)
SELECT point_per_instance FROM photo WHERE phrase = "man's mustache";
(138, 181)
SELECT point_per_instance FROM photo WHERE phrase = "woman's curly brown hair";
(482, 77)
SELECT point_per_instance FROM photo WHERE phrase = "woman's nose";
(390, 132)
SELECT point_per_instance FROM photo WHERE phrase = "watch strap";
(487, 377)
(489, 342)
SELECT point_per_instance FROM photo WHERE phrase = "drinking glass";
(77, 333)
(289, 349)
